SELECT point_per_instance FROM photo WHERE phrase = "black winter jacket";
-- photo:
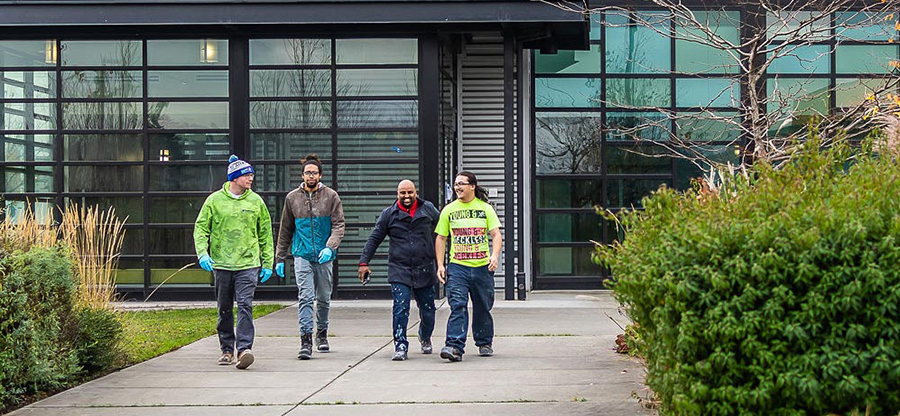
(411, 254)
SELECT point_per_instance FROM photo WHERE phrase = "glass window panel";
(290, 51)
(27, 53)
(172, 241)
(290, 114)
(101, 53)
(686, 170)
(27, 84)
(375, 177)
(346, 272)
(28, 116)
(187, 83)
(635, 49)
(378, 144)
(380, 82)
(20, 179)
(707, 127)
(366, 209)
(568, 142)
(569, 228)
(815, 59)
(377, 51)
(182, 209)
(162, 269)
(206, 178)
(567, 92)
(638, 160)
(102, 116)
(567, 261)
(104, 147)
(27, 147)
(189, 146)
(284, 178)
(637, 126)
(128, 208)
(187, 52)
(290, 83)
(786, 25)
(183, 115)
(627, 193)
(569, 62)
(694, 52)
(568, 193)
(15, 208)
(638, 92)
(377, 114)
(865, 59)
(291, 146)
(102, 84)
(595, 27)
(711, 92)
(865, 26)
(851, 92)
(104, 178)
(130, 273)
(797, 96)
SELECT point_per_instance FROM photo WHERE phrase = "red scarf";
(412, 210)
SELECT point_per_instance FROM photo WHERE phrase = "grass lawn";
(147, 334)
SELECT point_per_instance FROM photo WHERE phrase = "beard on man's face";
(407, 201)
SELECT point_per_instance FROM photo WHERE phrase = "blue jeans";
(463, 282)
(313, 283)
(425, 300)
(236, 285)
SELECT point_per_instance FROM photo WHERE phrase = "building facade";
(138, 104)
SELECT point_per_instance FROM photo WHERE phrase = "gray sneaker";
(485, 350)
(245, 358)
(399, 355)
(451, 353)
(426, 346)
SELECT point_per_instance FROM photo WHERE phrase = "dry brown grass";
(94, 240)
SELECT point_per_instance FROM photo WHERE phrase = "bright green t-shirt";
(468, 225)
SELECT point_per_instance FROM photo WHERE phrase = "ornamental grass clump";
(777, 295)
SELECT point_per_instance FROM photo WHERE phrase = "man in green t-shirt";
(468, 220)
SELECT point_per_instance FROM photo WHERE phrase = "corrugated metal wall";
(482, 142)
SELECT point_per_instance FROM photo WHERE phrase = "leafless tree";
(767, 107)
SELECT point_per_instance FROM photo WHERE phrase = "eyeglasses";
(310, 173)
(461, 183)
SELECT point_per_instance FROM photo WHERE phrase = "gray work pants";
(313, 283)
(231, 286)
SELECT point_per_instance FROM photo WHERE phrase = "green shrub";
(97, 342)
(778, 296)
(36, 292)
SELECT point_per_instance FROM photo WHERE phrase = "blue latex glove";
(206, 263)
(265, 274)
(326, 255)
(279, 269)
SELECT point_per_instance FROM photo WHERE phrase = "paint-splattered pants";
(234, 286)
(425, 301)
(465, 282)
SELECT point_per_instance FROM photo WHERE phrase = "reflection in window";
(27, 147)
(797, 96)
(290, 83)
(635, 49)
(377, 82)
(850, 92)
(187, 178)
(377, 114)
(568, 142)
(290, 146)
(567, 261)
(290, 51)
(627, 193)
(638, 160)
(375, 177)
(567, 92)
(27, 84)
(815, 59)
(637, 126)
(103, 178)
(687, 169)
(569, 228)
(569, 62)
(377, 51)
(187, 83)
(714, 92)
(102, 84)
(27, 53)
(872, 59)
(379, 144)
(183, 115)
(638, 92)
(102, 116)
(707, 127)
(104, 147)
(22, 179)
(101, 53)
(568, 193)
(865, 26)
(175, 209)
(290, 114)
(28, 116)
(189, 146)
(187, 52)
(694, 57)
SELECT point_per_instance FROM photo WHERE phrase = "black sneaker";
(426, 346)
(485, 350)
(322, 340)
(451, 353)
(399, 356)
(305, 347)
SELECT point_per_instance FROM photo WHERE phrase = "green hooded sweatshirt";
(236, 233)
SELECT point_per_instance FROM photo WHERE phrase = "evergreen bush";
(779, 295)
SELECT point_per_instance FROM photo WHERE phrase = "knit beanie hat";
(237, 168)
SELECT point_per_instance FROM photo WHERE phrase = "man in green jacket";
(233, 239)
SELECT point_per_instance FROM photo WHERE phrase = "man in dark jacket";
(411, 265)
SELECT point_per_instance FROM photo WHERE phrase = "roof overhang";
(538, 24)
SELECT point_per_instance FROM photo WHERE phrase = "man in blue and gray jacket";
(312, 226)
(410, 223)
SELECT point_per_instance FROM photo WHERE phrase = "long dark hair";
(480, 192)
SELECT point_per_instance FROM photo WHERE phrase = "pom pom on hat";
(238, 168)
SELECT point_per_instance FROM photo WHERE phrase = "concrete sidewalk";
(553, 355)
